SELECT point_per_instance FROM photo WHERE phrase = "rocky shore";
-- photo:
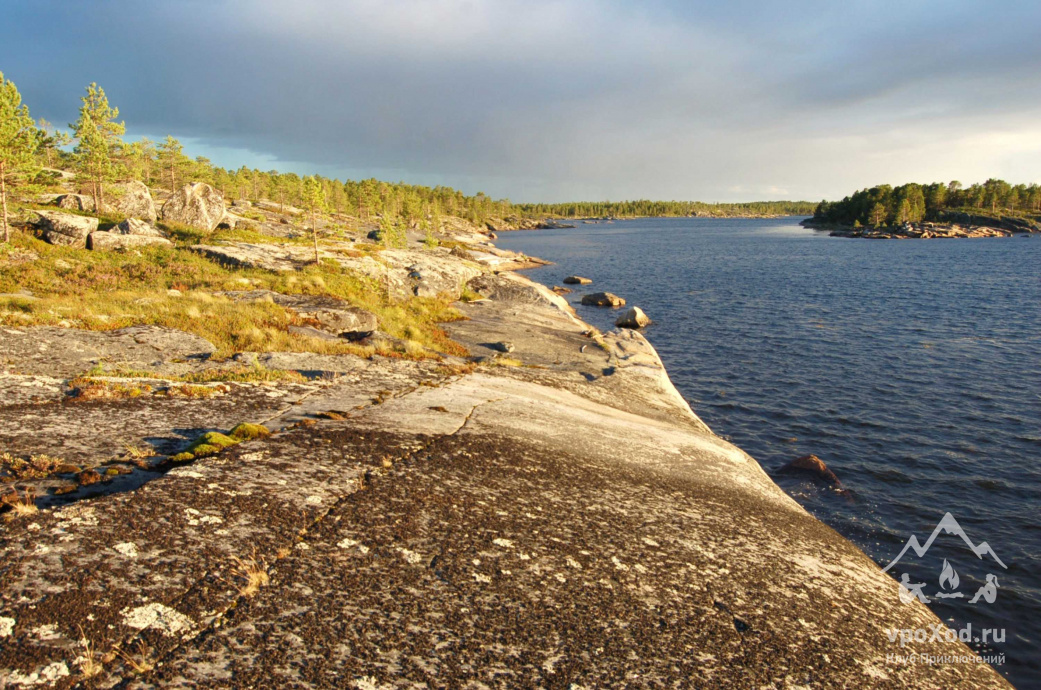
(954, 225)
(540, 509)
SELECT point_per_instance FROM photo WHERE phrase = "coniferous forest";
(885, 205)
(32, 151)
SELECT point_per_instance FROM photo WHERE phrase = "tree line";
(645, 208)
(885, 205)
(99, 155)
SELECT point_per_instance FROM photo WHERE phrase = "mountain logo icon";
(948, 525)
(949, 579)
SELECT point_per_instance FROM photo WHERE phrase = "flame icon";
(948, 576)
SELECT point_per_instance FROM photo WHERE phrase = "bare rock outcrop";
(131, 199)
(75, 202)
(65, 228)
(197, 204)
(441, 506)
(107, 241)
(333, 316)
(67, 352)
(135, 226)
(129, 234)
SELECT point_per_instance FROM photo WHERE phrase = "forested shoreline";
(645, 208)
(888, 206)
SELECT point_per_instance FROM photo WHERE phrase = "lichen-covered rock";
(634, 317)
(68, 352)
(232, 221)
(131, 199)
(65, 228)
(332, 315)
(135, 226)
(75, 202)
(197, 204)
(440, 273)
(108, 241)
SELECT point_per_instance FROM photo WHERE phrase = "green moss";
(247, 432)
(182, 457)
(204, 449)
(212, 438)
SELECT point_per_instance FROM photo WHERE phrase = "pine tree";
(51, 139)
(433, 225)
(97, 133)
(314, 197)
(19, 139)
(172, 160)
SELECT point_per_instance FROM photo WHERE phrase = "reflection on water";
(911, 367)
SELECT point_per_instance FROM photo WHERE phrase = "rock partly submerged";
(603, 299)
(812, 466)
(564, 521)
(634, 317)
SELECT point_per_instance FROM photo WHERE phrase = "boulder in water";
(811, 464)
(603, 299)
(634, 317)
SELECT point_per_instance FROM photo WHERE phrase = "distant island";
(645, 208)
(928, 211)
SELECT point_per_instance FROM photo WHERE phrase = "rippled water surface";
(912, 368)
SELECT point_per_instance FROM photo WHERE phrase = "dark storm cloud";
(555, 100)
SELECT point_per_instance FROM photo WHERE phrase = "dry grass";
(506, 362)
(24, 506)
(110, 290)
(230, 375)
(140, 663)
(89, 388)
(195, 391)
(456, 369)
(253, 573)
(90, 665)
(136, 452)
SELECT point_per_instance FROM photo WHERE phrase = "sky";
(557, 100)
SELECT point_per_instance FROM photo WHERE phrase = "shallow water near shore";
(912, 368)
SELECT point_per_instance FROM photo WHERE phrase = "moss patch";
(213, 442)
(247, 432)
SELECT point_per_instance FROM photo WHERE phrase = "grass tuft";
(24, 506)
(253, 573)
